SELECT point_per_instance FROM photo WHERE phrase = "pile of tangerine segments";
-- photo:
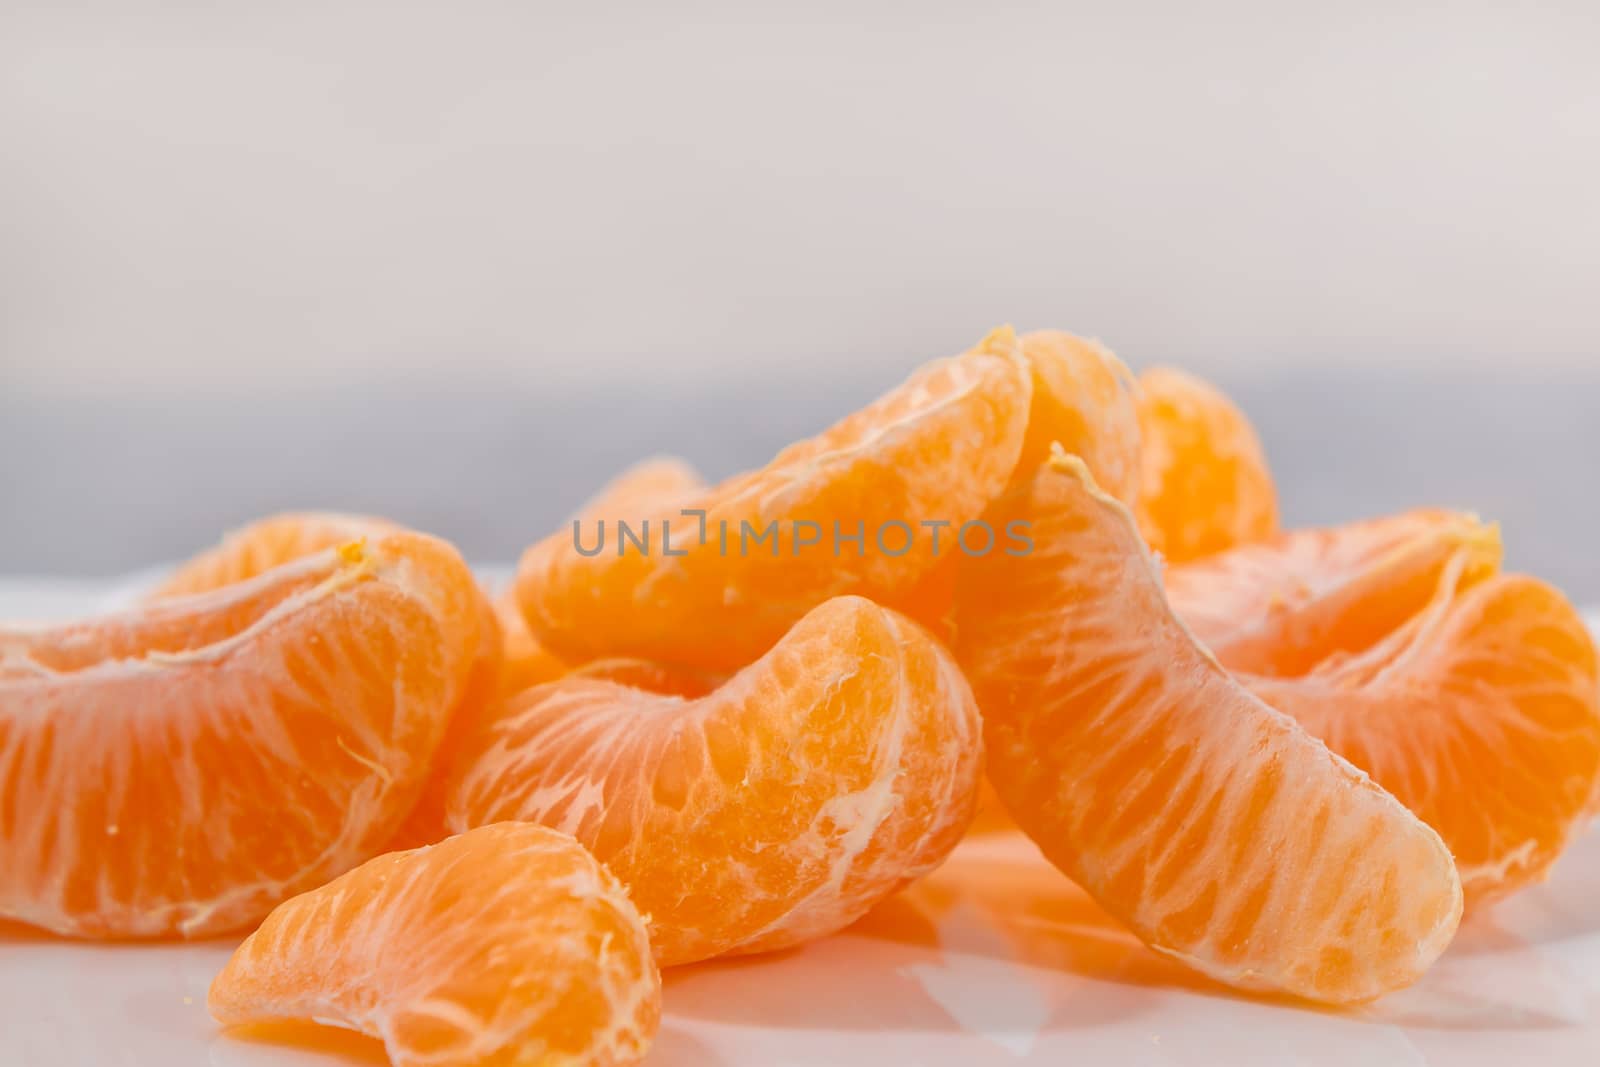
(476, 829)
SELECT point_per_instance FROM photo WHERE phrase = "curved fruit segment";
(506, 945)
(1483, 718)
(182, 768)
(524, 661)
(649, 485)
(776, 809)
(1469, 696)
(651, 676)
(482, 688)
(277, 540)
(1282, 606)
(1083, 400)
(1221, 832)
(265, 544)
(719, 588)
(660, 483)
(1204, 482)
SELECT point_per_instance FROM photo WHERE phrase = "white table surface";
(994, 959)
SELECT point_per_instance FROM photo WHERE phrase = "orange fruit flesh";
(773, 810)
(1483, 718)
(936, 449)
(1204, 482)
(1283, 606)
(168, 629)
(182, 768)
(654, 485)
(267, 543)
(650, 485)
(507, 945)
(1083, 400)
(523, 661)
(1472, 697)
(277, 540)
(482, 688)
(1220, 831)
(651, 676)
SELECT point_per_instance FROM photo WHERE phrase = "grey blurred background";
(458, 263)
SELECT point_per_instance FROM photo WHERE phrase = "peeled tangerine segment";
(651, 485)
(1083, 400)
(279, 539)
(1204, 481)
(1221, 832)
(777, 808)
(1471, 696)
(1282, 606)
(506, 945)
(182, 767)
(935, 450)
(1481, 714)
(524, 661)
(267, 543)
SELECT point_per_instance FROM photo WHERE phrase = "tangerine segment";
(1204, 482)
(181, 768)
(507, 945)
(660, 482)
(1282, 606)
(276, 540)
(651, 676)
(279, 539)
(774, 543)
(650, 485)
(1483, 718)
(1218, 830)
(265, 544)
(774, 810)
(1083, 399)
(524, 662)
(483, 687)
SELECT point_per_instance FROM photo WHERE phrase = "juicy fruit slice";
(1083, 400)
(524, 661)
(265, 544)
(482, 688)
(774, 810)
(274, 541)
(1470, 696)
(935, 450)
(652, 676)
(1282, 606)
(508, 945)
(1216, 828)
(1204, 482)
(649, 486)
(1483, 719)
(181, 768)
